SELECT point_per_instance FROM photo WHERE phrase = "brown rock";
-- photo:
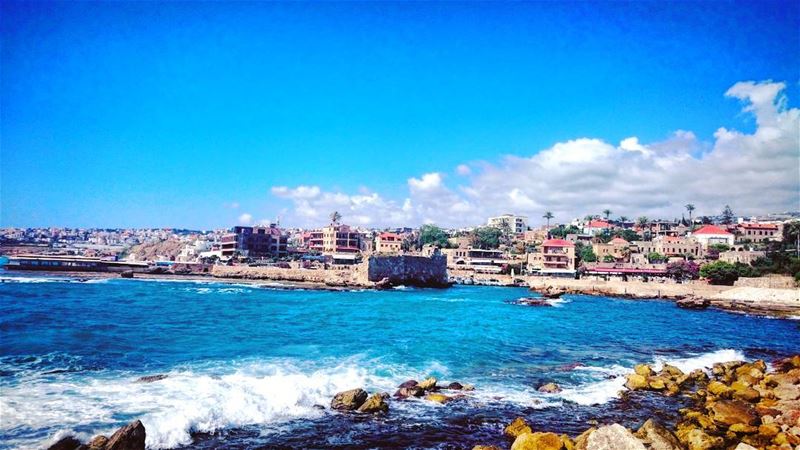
(744, 392)
(549, 388)
(517, 427)
(643, 370)
(671, 371)
(456, 386)
(65, 443)
(729, 412)
(413, 391)
(537, 441)
(408, 384)
(129, 437)
(349, 400)
(636, 381)
(657, 437)
(427, 384)
(719, 389)
(614, 437)
(98, 443)
(769, 430)
(376, 403)
(657, 384)
(582, 440)
(787, 391)
(697, 439)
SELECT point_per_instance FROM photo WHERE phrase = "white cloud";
(754, 173)
(245, 219)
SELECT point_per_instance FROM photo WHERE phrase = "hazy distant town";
(719, 248)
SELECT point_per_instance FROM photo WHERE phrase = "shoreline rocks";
(129, 437)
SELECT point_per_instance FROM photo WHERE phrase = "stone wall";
(768, 281)
(408, 270)
(319, 276)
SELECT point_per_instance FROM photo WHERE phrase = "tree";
(727, 215)
(585, 253)
(335, 217)
(690, 208)
(431, 234)
(642, 221)
(548, 215)
(607, 213)
(655, 257)
(609, 259)
(486, 237)
(719, 247)
(720, 272)
(623, 219)
(561, 231)
(791, 235)
(683, 270)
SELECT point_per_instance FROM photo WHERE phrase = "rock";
(671, 371)
(636, 381)
(349, 400)
(719, 389)
(549, 388)
(374, 404)
(126, 274)
(657, 384)
(692, 302)
(98, 443)
(537, 441)
(643, 370)
(787, 391)
(786, 364)
(427, 384)
(151, 378)
(729, 412)
(657, 437)
(408, 384)
(129, 437)
(769, 430)
(456, 386)
(613, 437)
(744, 392)
(742, 428)
(697, 439)
(582, 440)
(413, 391)
(467, 387)
(743, 446)
(486, 447)
(65, 443)
(517, 427)
(438, 398)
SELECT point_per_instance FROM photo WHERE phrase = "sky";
(213, 114)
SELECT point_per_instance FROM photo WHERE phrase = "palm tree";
(335, 217)
(643, 221)
(548, 215)
(690, 208)
(607, 212)
(623, 219)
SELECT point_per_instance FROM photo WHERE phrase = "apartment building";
(553, 257)
(255, 242)
(388, 243)
(758, 232)
(517, 224)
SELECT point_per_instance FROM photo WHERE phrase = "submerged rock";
(456, 386)
(349, 400)
(549, 388)
(129, 437)
(151, 378)
(413, 391)
(439, 398)
(692, 302)
(613, 437)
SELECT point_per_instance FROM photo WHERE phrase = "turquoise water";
(246, 365)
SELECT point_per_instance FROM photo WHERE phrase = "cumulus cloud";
(755, 173)
(245, 219)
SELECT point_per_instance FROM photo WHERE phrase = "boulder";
(456, 386)
(692, 302)
(407, 384)
(719, 389)
(517, 427)
(743, 446)
(375, 403)
(537, 441)
(582, 440)
(468, 387)
(744, 392)
(427, 384)
(438, 398)
(729, 412)
(613, 437)
(657, 437)
(151, 378)
(98, 443)
(636, 381)
(129, 437)
(697, 439)
(549, 388)
(413, 391)
(486, 447)
(671, 371)
(787, 391)
(643, 370)
(656, 384)
(65, 443)
(349, 400)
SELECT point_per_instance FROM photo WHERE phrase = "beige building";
(758, 232)
(517, 224)
(479, 260)
(669, 246)
(388, 243)
(553, 257)
(741, 256)
(341, 239)
(617, 248)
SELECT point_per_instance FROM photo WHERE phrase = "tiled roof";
(557, 243)
(710, 229)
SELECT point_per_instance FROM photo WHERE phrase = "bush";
(720, 272)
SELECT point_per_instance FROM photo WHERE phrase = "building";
(479, 260)
(711, 234)
(517, 224)
(255, 242)
(617, 248)
(338, 238)
(388, 243)
(596, 226)
(553, 257)
(758, 232)
(741, 256)
(625, 271)
(670, 246)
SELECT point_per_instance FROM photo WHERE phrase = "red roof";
(710, 229)
(387, 235)
(759, 226)
(618, 240)
(557, 243)
(597, 224)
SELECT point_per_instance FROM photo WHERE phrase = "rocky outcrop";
(376, 403)
(549, 388)
(151, 378)
(692, 302)
(657, 437)
(129, 437)
(614, 437)
(349, 400)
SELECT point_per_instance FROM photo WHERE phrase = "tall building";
(553, 257)
(341, 239)
(255, 242)
(517, 224)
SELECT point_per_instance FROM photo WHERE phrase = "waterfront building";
(553, 257)
(758, 232)
(255, 242)
(712, 234)
(479, 260)
(338, 238)
(624, 271)
(388, 243)
(517, 224)
(617, 248)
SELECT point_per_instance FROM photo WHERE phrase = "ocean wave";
(30, 279)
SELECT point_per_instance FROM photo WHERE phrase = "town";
(718, 249)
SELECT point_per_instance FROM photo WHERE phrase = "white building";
(710, 235)
(517, 224)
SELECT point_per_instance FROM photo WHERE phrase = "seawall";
(407, 270)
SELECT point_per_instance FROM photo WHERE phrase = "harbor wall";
(407, 270)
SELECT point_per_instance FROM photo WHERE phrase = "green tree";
(791, 236)
(561, 231)
(655, 257)
(609, 259)
(720, 272)
(727, 215)
(487, 237)
(719, 247)
(431, 234)
(607, 213)
(690, 208)
(623, 219)
(585, 253)
(548, 215)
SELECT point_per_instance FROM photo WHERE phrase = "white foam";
(702, 361)
(28, 279)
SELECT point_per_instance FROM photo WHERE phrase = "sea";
(255, 366)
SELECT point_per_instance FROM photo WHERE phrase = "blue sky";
(190, 114)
